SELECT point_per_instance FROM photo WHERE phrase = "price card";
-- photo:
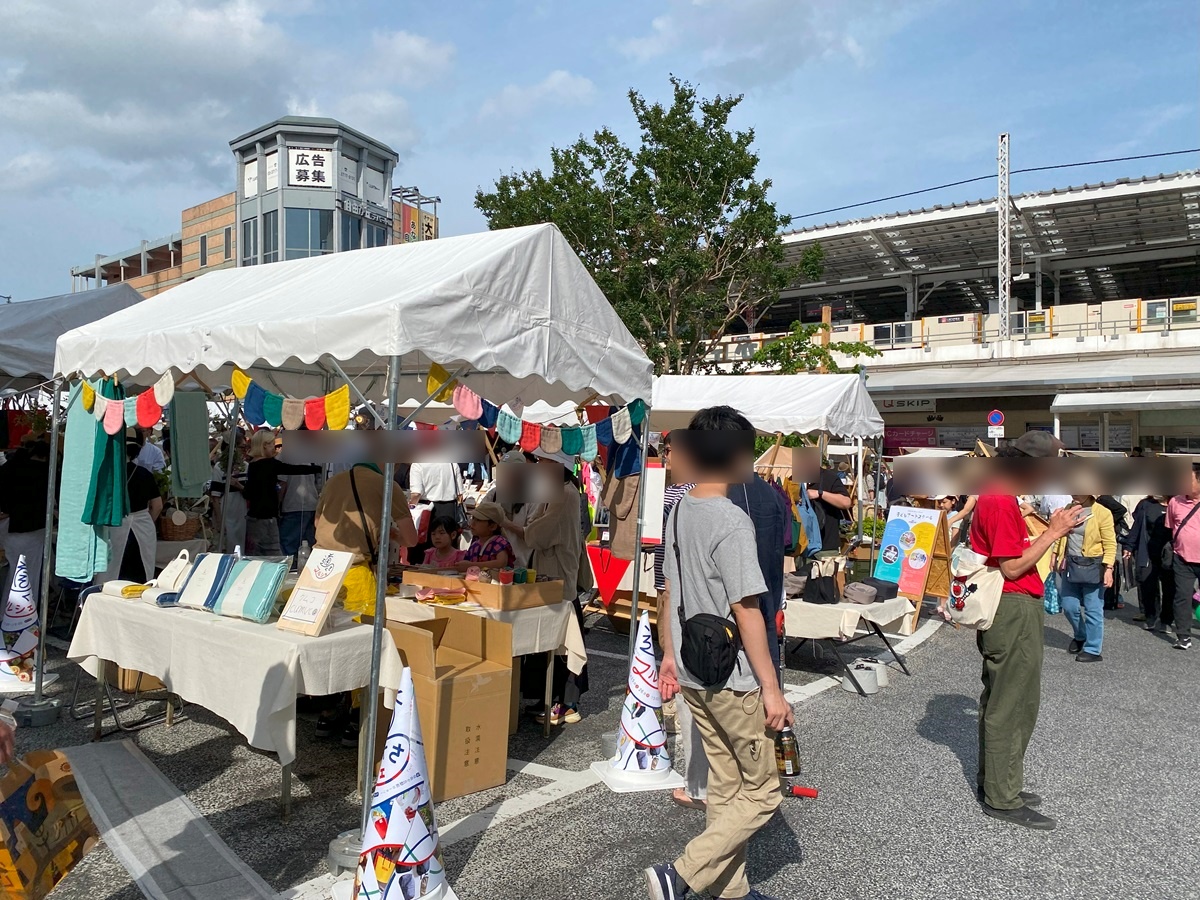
(316, 590)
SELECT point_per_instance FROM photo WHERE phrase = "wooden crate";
(492, 595)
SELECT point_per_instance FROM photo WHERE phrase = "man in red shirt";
(1012, 647)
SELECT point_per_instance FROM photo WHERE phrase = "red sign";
(895, 438)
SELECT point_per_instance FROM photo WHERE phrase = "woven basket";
(169, 531)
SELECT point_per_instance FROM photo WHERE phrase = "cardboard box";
(126, 681)
(492, 595)
(462, 673)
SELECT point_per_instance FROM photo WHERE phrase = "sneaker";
(1151, 624)
(350, 735)
(664, 883)
(1029, 798)
(1022, 815)
(1162, 627)
(1089, 657)
(571, 715)
(329, 725)
(1184, 643)
(558, 715)
(1075, 646)
(1140, 617)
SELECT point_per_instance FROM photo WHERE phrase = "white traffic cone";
(400, 856)
(642, 762)
(20, 633)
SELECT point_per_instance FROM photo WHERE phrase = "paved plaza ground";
(1115, 756)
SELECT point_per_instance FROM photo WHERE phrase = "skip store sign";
(907, 404)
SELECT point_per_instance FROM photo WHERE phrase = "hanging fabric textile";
(190, 468)
(81, 549)
(107, 500)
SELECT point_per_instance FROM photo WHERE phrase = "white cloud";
(760, 41)
(558, 89)
(153, 90)
(413, 59)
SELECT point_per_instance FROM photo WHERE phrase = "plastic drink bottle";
(302, 555)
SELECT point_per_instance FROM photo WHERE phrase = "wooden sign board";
(316, 591)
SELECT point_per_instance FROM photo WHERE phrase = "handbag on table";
(822, 586)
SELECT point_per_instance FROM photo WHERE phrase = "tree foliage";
(678, 232)
(797, 352)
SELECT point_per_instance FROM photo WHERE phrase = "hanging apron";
(142, 527)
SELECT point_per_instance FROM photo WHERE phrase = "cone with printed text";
(400, 855)
(21, 633)
(642, 761)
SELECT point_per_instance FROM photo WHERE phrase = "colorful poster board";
(907, 551)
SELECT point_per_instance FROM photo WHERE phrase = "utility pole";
(1003, 255)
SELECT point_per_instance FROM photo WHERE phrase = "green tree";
(678, 232)
(797, 352)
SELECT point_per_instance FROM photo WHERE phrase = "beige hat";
(487, 511)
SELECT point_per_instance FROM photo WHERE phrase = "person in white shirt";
(150, 456)
(439, 484)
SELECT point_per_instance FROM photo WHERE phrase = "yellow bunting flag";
(439, 381)
(89, 396)
(337, 408)
(240, 382)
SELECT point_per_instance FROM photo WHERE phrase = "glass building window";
(375, 235)
(309, 232)
(204, 250)
(352, 229)
(271, 236)
(249, 242)
(229, 242)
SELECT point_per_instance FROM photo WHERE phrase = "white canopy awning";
(30, 328)
(792, 404)
(1111, 401)
(517, 307)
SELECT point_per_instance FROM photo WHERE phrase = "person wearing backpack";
(1184, 552)
(715, 655)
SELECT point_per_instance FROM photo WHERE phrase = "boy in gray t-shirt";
(716, 571)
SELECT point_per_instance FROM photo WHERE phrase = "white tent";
(511, 313)
(517, 307)
(31, 327)
(791, 404)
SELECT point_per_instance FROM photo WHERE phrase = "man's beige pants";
(743, 789)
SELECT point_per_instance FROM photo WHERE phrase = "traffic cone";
(642, 762)
(21, 633)
(400, 854)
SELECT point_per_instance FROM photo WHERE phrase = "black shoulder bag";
(709, 644)
(1168, 550)
(371, 549)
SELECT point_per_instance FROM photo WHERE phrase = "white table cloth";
(539, 629)
(248, 674)
(839, 621)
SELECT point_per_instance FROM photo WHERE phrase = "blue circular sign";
(995, 417)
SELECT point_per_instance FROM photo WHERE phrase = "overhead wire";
(1094, 162)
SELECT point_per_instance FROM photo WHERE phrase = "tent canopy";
(1111, 401)
(791, 404)
(30, 328)
(516, 307)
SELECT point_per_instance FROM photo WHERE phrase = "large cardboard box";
(462, 673)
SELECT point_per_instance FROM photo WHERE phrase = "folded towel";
(159, 597)
(190, 466)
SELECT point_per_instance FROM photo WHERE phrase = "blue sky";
(116, 121)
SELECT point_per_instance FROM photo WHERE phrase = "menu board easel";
(312, 599)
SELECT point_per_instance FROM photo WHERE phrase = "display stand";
(915, 554)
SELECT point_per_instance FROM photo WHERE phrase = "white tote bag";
(975, 589)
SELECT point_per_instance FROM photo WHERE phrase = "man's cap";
(487, 511)
(1040, 444)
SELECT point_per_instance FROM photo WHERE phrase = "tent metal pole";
(231, 443)
(39, 711)
(381, 571)
(858, 480)
(359, 394)
(875, 502)
(637, 543)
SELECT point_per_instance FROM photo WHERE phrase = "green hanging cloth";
(108, 494)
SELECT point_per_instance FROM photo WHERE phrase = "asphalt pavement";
(1114, 756)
